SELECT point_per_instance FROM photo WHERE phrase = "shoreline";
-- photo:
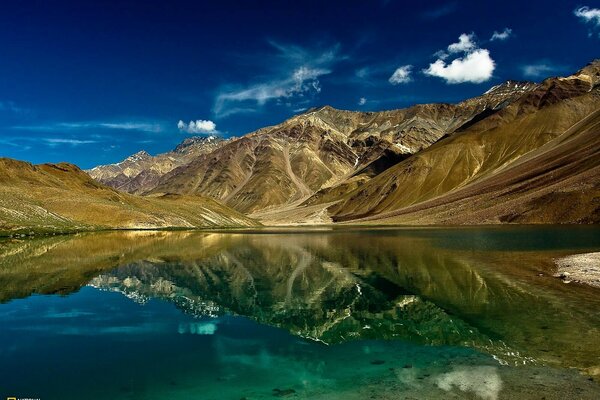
(30, 232)
(581, 268)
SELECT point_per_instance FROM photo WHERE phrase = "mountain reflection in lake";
(484, 294)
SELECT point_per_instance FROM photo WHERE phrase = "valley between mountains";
(522, 152)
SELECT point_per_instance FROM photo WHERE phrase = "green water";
(322, 313)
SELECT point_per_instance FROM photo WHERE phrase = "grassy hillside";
(61, 197)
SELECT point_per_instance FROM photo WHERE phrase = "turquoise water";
(391, 314)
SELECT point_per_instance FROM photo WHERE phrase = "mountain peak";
(140, 155)
(510, 86)
(196, 140)
(590, 73)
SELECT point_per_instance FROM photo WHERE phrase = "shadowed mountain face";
(61, 197)
(523, 163)
(469, 287)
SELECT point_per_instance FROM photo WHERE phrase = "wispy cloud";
(12, 107)
(62, 126)
(363, 72)
(589, 16)
(372, 75)
(198, 126)
(133, 126)
(297, 79)
(541, 69)
(474, 66)
(53, 142)
(19, 141)
(401, 75)
(362, 101)
(505, 34)
(440, 11)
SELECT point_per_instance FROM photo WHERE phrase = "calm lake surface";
(321, 313)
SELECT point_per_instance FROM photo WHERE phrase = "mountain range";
(521, 152)
(517, 153)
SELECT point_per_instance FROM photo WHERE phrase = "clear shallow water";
(438, 313)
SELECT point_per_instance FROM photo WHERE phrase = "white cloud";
(465, 43)
(475, 66)
(362, 101)
(588, 14)
(299, 83)
(539, 70)
(198, 126)
(401, 75)
(296, 77)
(505, 34)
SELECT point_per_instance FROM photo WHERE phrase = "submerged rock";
(283, 392)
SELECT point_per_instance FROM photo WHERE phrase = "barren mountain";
(431, 163)
(61, 197)
(536, 160)
(141, 171)
(284, 165)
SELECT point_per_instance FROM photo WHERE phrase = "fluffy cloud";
(475, 65)
(198, 126)
(505, 34)
(401, 75)
(465, 43)
(362, 101)
(588, 14)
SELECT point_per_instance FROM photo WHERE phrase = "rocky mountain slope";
(140, 172)
(431, 163)
(535, 160)
(286, 164)
(61, 197)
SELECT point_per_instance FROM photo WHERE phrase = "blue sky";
(92, 82)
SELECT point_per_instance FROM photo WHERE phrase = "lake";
(319, 313)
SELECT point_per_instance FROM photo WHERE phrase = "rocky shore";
(581, 268)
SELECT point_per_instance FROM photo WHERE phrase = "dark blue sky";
(92, 82)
